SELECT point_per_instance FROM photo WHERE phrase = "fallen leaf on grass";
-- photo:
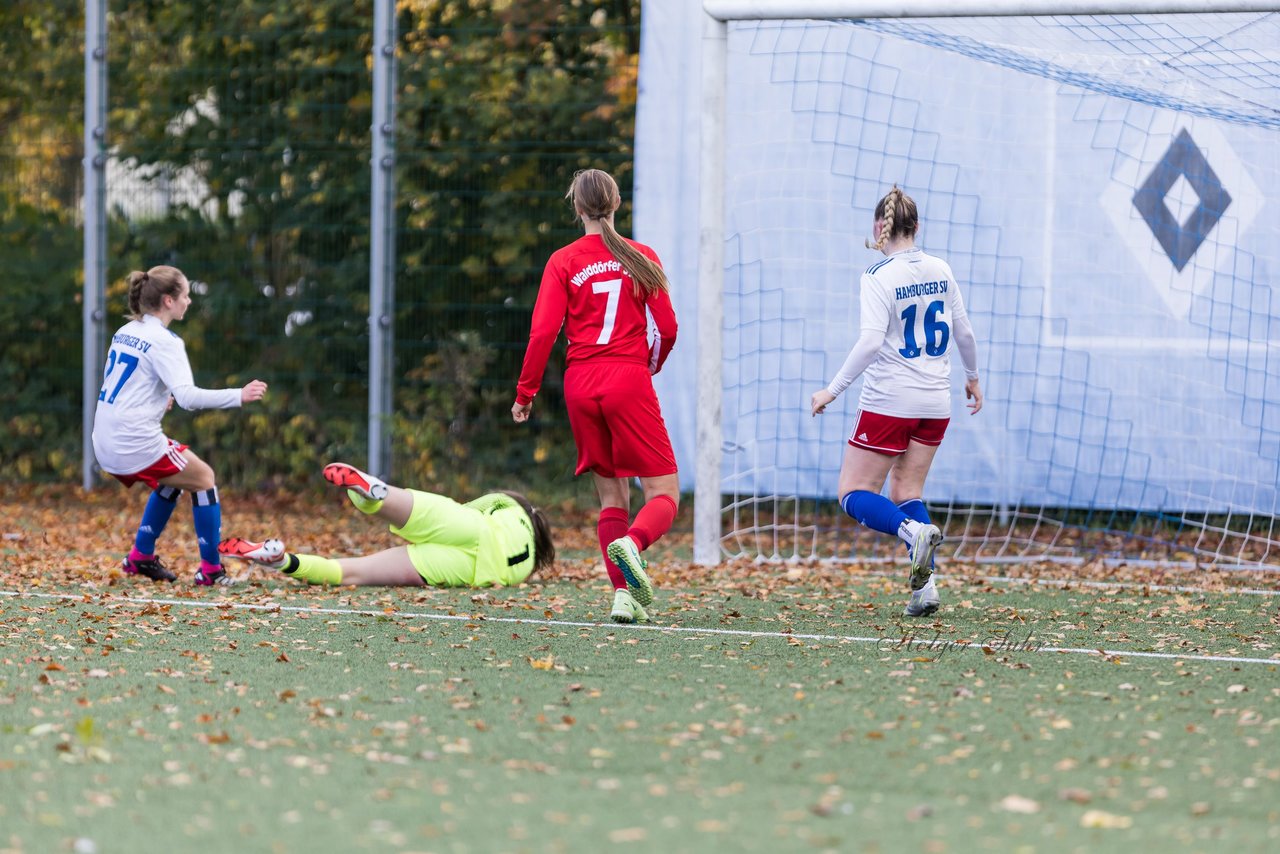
(1019, 804)
(1105, 820)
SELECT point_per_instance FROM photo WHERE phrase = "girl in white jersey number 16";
(146, 367)
(911, 314)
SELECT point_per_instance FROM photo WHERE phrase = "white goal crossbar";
(758, 10)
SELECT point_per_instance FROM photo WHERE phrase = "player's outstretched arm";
(254, 390)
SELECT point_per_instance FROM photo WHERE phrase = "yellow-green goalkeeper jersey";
(506, 552)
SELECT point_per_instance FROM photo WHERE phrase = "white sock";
(907, 531)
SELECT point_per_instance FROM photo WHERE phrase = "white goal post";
(710, 436)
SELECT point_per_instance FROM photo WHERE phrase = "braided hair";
(148, 289)
(898, 215)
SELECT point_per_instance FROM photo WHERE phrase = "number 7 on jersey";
(612, 287)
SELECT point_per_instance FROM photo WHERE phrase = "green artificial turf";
(131, 726)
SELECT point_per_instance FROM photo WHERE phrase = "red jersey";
(586, 291)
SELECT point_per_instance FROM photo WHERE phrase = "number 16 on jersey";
(936, 331)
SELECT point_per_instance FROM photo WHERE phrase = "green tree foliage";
(250, 120)
(41, 78)
(500, 103)
(241, 130)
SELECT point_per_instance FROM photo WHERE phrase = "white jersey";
(145, 365)
(912, 299)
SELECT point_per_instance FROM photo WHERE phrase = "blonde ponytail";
(595, 196)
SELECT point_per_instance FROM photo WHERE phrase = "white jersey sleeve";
(966, 343)
(176, 374)
(146, 363)
(874, 324)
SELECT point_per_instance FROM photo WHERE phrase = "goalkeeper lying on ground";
(497, 539)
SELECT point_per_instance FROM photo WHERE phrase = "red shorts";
(886, 434)
(170, 464)
(617, 423)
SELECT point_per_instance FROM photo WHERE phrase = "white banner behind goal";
(1100, 187)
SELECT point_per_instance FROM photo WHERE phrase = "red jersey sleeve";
(665, 328)
(548, 317)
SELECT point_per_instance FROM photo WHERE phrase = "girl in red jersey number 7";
(612, 298)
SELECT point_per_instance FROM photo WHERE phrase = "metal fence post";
(382, 223)
(95, 224)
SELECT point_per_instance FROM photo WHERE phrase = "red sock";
(653, 520)
(612, 524)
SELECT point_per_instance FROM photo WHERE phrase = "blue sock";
(874, 511)
(156, 515)
(207, 513)
(916, 509)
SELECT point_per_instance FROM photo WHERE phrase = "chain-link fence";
(41, 81)
(238, 144)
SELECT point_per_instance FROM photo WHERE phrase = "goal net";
(1099, 185)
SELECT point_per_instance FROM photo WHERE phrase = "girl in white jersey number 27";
(911, 314)
(146, 365)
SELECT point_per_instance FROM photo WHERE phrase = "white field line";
(909, 642)
(1072, 582)
(1106, 585)
(1268, 568)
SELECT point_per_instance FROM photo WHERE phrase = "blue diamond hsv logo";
(1180, 240)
